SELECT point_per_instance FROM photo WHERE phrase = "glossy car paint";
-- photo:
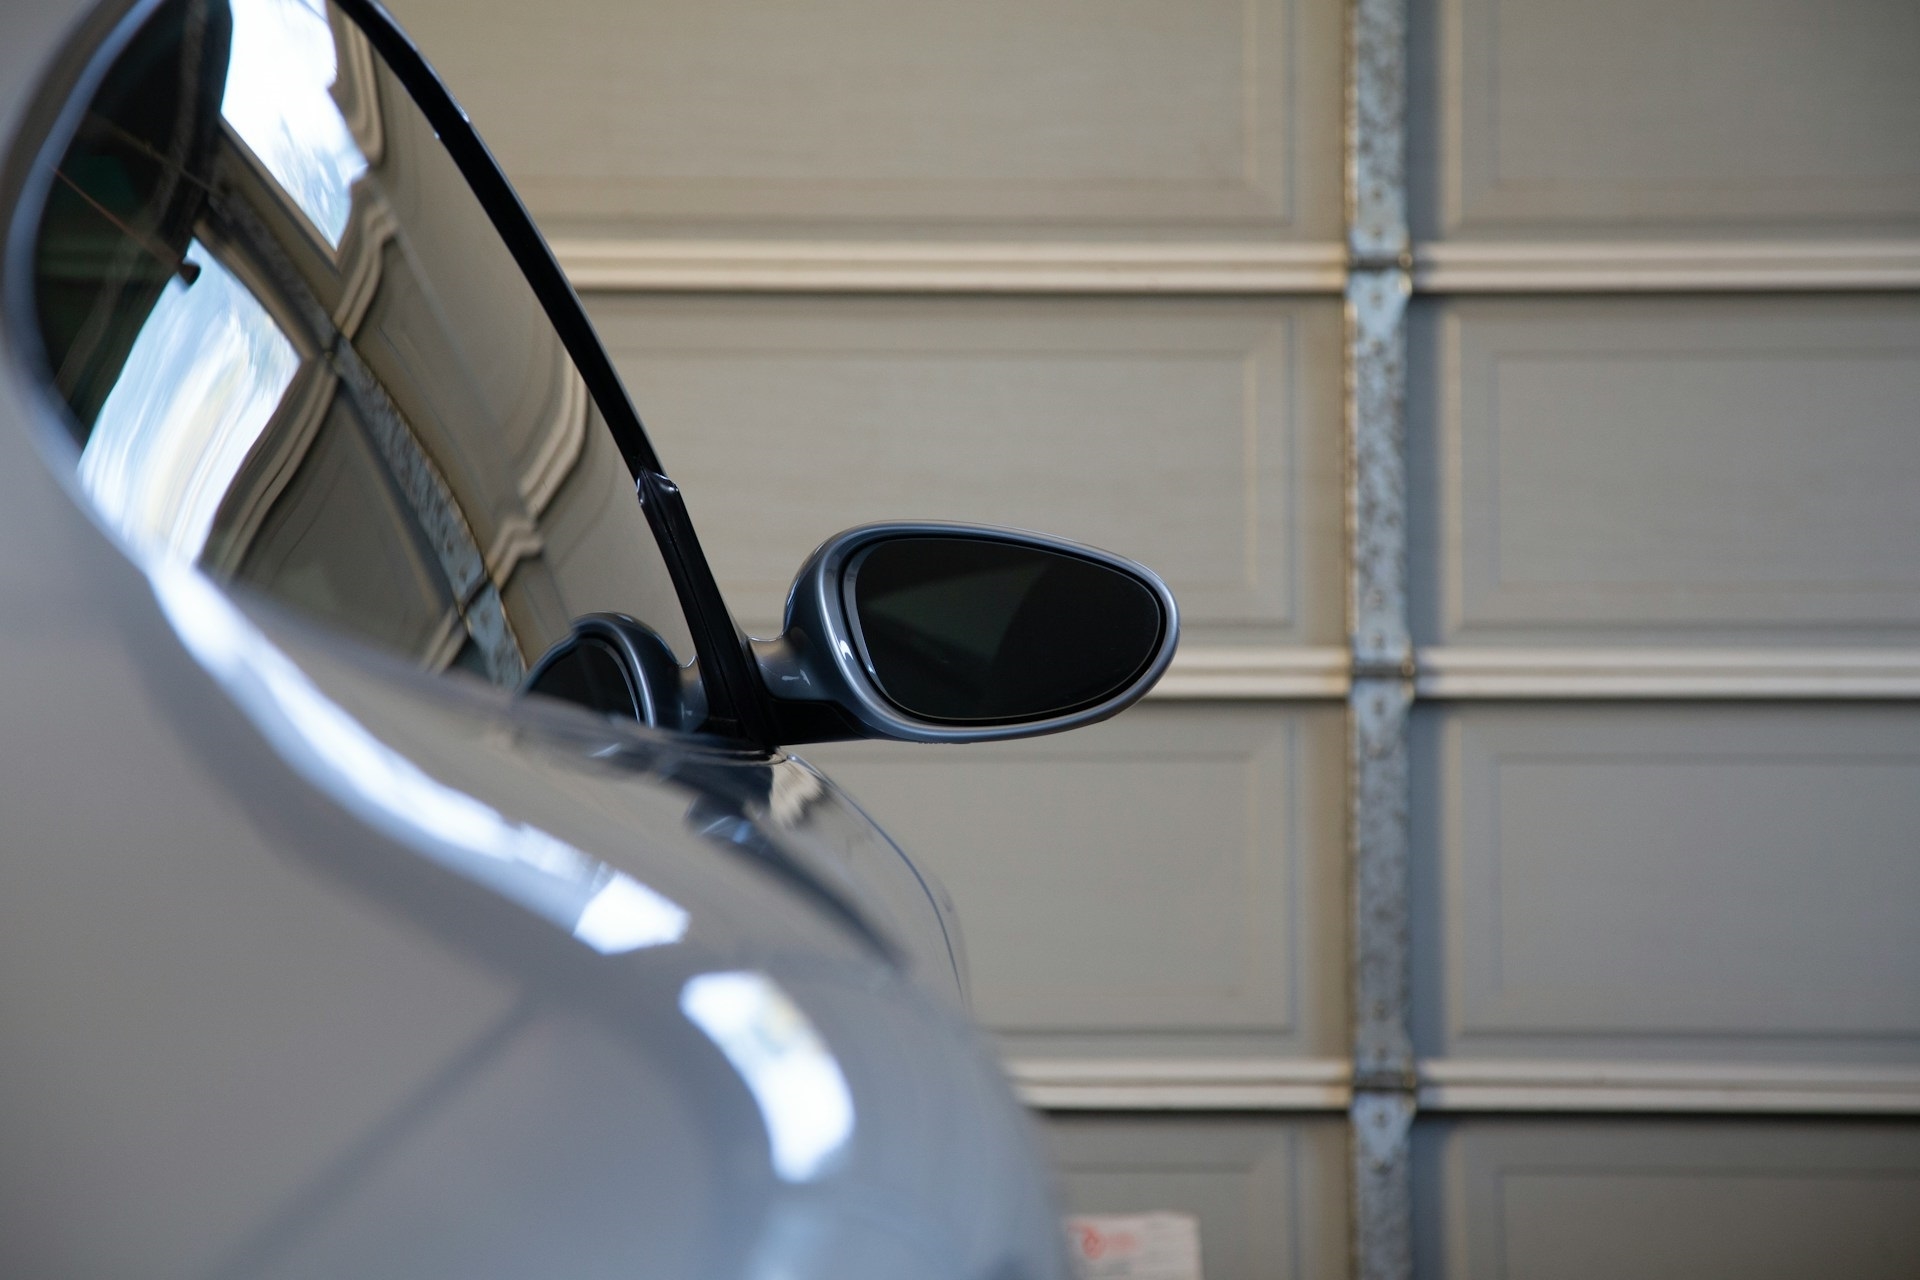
(312, 965)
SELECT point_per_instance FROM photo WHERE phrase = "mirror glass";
(967, 629)
(295, 351)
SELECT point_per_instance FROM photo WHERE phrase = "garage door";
(1519, 872)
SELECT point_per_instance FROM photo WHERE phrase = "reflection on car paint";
(792, 791)
(606, 909)
(793, 1077)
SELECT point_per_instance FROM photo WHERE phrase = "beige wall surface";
(1078, 265)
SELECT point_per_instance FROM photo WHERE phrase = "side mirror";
(963, 633)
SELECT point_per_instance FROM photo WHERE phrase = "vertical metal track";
(1379, 280)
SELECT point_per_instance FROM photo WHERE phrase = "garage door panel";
(1663, 357)
(954, 118)
(1657, 470)
(1572, 1199)
(1560, 117)
(1172, 871)
(1200, 438)
(1648, 881)
(1269, 1193)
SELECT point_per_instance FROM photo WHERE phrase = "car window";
(297, 353)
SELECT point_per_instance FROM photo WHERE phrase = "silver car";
(401, 870)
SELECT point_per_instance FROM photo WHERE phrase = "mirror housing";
(937, 632)
(618, 666)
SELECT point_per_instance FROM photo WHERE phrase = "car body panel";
(291, 982)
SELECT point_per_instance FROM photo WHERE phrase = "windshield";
(297, 353)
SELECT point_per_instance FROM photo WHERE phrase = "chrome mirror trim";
(818, 657)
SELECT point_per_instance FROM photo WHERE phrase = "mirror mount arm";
(736, 705)
(786, 674)
(803, 709)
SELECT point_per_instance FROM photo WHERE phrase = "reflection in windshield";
(204, 376)
(277, 100)
(297, 354)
